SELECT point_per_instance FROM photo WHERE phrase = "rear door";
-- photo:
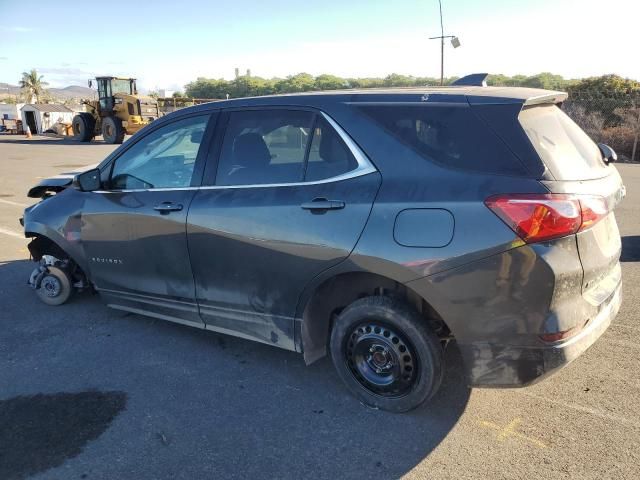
(576, 164)
(287, 199)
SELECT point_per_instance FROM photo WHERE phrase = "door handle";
(166, 207)
(323, 204)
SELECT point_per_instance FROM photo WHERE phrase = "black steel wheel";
(112, 130)
(381, 359)
(55, 287)
(386, 354)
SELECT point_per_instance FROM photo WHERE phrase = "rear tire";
(55, 287)
(112, 130)
(386, 354)
(83, 127)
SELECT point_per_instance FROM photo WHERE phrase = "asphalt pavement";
(89, 392)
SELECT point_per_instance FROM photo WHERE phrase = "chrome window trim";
(364, 167)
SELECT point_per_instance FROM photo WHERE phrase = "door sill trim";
(160, 316)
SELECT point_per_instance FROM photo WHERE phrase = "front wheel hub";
(381, 359)
(51, 286)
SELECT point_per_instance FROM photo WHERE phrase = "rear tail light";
(541, 217)
(594, 209)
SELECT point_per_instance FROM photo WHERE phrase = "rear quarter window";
(565, 149)
(453, 137)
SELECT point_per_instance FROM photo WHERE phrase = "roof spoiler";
(473, 80)
(549, 98)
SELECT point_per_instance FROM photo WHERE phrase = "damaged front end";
(54, 226)
(51, 186)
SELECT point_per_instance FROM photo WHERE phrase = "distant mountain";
(6, 88)
(66, 93)
(73, 91)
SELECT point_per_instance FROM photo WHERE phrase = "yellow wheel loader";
(119, 111)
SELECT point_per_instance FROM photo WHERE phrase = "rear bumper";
(495, 365)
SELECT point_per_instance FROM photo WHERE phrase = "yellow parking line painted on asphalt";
(15, 204)
(511, 431)
(11, 233)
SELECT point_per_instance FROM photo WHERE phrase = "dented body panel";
(251, 262)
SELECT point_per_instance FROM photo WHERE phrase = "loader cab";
(110, 86)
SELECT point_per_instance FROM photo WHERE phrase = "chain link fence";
(611, 120)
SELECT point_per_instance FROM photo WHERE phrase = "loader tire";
(83, 127)
(112, 130)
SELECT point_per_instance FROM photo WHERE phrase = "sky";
(166, 44)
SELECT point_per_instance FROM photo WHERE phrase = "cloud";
(64, 76)
(62, 70)
(4, 58)
(19, 29)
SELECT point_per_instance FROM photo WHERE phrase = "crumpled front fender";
(59, 219)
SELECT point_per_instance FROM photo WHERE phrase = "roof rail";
(473, 80)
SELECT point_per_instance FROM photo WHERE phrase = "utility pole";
(455, 42)
(441, 45)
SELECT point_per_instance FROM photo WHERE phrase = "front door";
(289, 199)
(133, 231)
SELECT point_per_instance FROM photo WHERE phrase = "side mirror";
(608, 154)
(88, 181)
(90, 83)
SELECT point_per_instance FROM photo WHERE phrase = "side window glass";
(163, 159)
(263, 147)
(328, 156)
(450, 136)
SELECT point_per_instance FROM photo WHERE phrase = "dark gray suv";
(376, 226)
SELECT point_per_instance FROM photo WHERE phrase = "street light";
(455, 43)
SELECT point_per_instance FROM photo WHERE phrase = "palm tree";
(32, 85)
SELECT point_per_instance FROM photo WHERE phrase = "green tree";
(33, 85)
(499, 80)
(208, 88)
(396, 80)
(330, 82)
(365, 82)
(301, 82)
(609, 86)
(245, 86)
(545, 80)
(608, 95)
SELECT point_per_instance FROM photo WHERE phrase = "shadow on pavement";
(198, 404)
(630, 248)
(39, 432)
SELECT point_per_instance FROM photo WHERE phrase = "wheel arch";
(330, 296)
(45, 244)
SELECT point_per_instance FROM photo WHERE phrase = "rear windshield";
(566, 150)
(451, 136)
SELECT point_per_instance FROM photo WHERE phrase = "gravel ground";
(88, 392)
